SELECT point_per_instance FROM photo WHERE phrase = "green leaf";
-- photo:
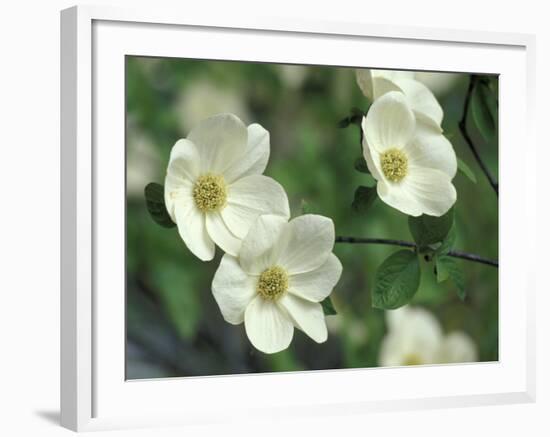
(361, 165)
(428, 230)
(485, 109)
(328, 307)
(154, 199)
(345, 122)
(396, 280)
(441, 272)
(356, 118)
(447, 244)
(466, 171)
(447, 268)
(364, 198)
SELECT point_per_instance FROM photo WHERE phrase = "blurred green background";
(174, 327)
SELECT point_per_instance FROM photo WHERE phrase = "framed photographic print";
(252, 209)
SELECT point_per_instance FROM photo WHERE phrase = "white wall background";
(29, 215)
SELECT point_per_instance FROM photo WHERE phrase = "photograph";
(291, 218)
(277, 219)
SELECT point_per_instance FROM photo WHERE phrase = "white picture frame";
(94, 393)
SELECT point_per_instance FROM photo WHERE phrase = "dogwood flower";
(412, 163)
(214, 187)
(142, 159)
(438, 83)
(202, 98)
(457, 347)
(284, 269)
(415, 337)
(375, 83)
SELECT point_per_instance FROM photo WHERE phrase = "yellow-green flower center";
(273, 283)
(394, 164)
(210, 192)
(412, 360)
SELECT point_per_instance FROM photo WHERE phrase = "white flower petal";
(184, 160)
(415, 334)
(422, 334)
(233, 289)
(375, 83)
(390, 122)
(220, 233)
(457, 347)
(307, 316)
(317, 284)
(392, 351)
(306, 243)
(268, 328)
(255, 157)
(422, 101)
(257, 250)
(431, 149)
(192, 230)
(396, 196)
(394, 318)
(382, 85)
(251, 197)
(422, 324)
(364, 80)
(393, 75)
(183, 169)
(422, 191)
(439, 83)
(372, 157)
(398, 350)
(430, 189)
(176, 189)
(220, 140)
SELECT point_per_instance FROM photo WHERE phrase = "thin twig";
(454, 253)
(366, 240)
(472, 257)
(464, 131)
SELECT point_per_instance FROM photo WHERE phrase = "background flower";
(376, 83)
(205, 99)
(214, 188)
(283, 271)
(142, 160)
(439, 83)
(413, 164)
(292, 75)
(457, 347)
(415, 337)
